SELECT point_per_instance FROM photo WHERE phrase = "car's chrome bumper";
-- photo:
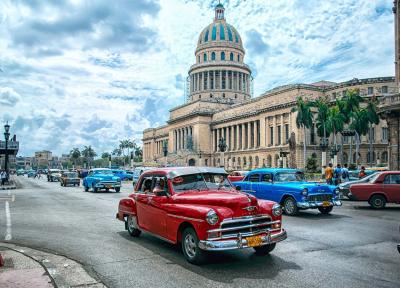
(240, 242)
(316, 204)
(107, 185)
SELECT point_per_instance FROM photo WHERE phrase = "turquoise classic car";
(101, 179)
(289, 188)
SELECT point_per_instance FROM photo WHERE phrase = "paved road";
(353, 247)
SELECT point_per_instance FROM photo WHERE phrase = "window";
(385, 134)
(369, 158)
(145, 186)
(199, 96)
(384, 157)
(229, 33)
(222, 56)
(205, 57)
(279, 135)
(221, 32)
(223, 95)
(286, 132)
(266, 178)
(206, 36)
(392, 179)
(371, 134)
(198, 59)
(384, 89)
(271, 135)
(213, 56)
(214, 33)
(160, 184)
(238, 57)
(370, 90)
(236, 38)
(231, 57)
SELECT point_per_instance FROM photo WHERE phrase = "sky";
(75, 73)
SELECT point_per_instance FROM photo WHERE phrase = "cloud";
(8, 97)
(95, 124)
(255, 43)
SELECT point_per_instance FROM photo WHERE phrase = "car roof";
(274, 170)
(100, 169)
(172, 172)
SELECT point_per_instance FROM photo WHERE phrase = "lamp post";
(165, 151)
(324, 146)
(222, 148)
(6, 136)
(334, 150)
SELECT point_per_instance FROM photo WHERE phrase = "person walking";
(362, 173)
(329, 174)
(3, 176)
(337, 174)
(345, 173)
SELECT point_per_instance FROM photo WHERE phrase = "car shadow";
(387, 208)
(223, 266)
(317, 216)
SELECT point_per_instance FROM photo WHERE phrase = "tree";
(322, 115)
(304, 120)
(88, 153)
(74, 155)
(335, 122)
(359, 124)
(105, 155)
(312, 165)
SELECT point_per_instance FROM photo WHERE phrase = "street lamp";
(334, 150)
(6, 136)
(324, 146)
(222, 148)
(165, 151)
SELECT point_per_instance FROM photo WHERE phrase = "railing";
(10, 145)
(389, 100)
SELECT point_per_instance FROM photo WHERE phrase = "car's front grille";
(107, 182)
(320, 197)
(246, 226)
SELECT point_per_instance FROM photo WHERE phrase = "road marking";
(8, 216)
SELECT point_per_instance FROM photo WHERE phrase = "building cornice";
(220, 64)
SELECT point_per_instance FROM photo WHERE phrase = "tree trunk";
(357, 147)
(370, 146)
(351, 152)
(305, 147)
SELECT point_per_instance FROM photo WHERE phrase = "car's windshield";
(294, 176)
(104, 172)
(71, 175)
(201, 181)
(54, 172)
(373, 177)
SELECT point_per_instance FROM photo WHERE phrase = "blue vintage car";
(289, 188)
(122, 174)
(101, 179)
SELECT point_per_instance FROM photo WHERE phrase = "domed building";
(220, 108)
(220, 71)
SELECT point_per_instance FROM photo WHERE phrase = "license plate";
(254, 241)
(326, 204)
(108, 186)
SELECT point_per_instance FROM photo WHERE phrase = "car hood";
(107, 178)
(230, 199)
(313, 187)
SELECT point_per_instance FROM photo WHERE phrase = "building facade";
(256, 130)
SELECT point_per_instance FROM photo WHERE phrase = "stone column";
(394, 131)
(243, 136)
(256, 125)
(249, 132)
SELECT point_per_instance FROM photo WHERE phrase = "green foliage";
(312, 165)
(352, 166)
(304, 115)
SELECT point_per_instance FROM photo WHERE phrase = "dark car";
(344, 188)
(70, 178)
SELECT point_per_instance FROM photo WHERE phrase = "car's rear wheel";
(117, 189)
(325, 210)
(190, 247)
(377, 202)
(290, 206)
(131, 225)
(86, 188)
(265, 250)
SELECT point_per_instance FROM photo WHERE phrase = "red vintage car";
(237, 176)
(383, 188)
(200, 210)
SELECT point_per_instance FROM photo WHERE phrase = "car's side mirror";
(238, 188)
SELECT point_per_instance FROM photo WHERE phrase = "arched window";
(223, 95)
(238, 57)
(206, 36)
(269, 161)
(198, 59)
(222, 56)
(236, 38)
(205, 57)
(229, 33)
(213, 56)
(257, 161)
(231, 57)
(244, 161)
(384, 157)
(214, 33)
(221, 32)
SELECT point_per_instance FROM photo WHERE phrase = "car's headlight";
(277, 209)
(304, 192)
(212, 217)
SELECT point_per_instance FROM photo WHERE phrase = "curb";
(63, 272)
(8, 188)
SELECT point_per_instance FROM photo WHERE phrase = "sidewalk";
(27, 268)
(10, 185)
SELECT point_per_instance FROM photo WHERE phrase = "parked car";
(289, 188)
(137, 172)
(237, 176)
(199, 209)
(383, 188)
(53, 175)
(344, 188)
(122, 174)
(70, 178)
(101, 179)
(20, 172)
(31, 173)
(353, 174)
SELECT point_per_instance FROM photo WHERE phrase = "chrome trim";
(240, 242)
(242, 227)
(230, 236)
(157, 236)
(186, 218)
(316, 204)
(245, 218)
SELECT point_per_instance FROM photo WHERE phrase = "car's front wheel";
(131, 225)
(86, 188)
(117, 189)
(377, 202)
(265, 250)
(290, 206)
(325, 210)
(190, 247)
(94, 189)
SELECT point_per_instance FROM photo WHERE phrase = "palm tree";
(373, 118)
(74, 155)
(360, 125)
(322, 115)
(304, 120)
(335, 121)
(89, 153)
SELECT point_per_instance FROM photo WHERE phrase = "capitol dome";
(220, 71)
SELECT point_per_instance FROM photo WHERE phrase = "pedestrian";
(329, 174)
(345, 173)
(362, 173)
(3, 177)
(337, 174)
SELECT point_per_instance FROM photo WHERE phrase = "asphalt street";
(355, 246)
